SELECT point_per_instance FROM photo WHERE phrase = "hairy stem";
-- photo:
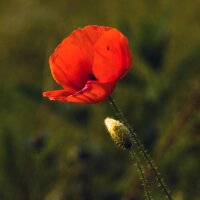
(140, 147)
(140, 168)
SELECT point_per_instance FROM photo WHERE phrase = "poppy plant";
(88, 63)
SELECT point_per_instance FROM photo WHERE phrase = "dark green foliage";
(52, 150)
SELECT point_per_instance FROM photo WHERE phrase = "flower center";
(92, 77)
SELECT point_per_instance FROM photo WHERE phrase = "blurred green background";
(58, 151)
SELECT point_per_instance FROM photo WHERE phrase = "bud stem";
(139, 166)
(140, 146)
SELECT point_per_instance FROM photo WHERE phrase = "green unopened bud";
(119, 133)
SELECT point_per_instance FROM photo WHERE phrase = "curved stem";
(139, 166)
(140, 147)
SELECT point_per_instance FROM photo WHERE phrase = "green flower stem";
(140, 147)
(140, 168)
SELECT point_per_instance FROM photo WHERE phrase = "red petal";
(93, 92)
(112, 57)
(69, 66)
(86, 38)
(73, 59)
(58, 94)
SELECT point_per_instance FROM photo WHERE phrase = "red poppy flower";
(88, 63)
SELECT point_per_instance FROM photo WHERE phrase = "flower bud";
(119, 133)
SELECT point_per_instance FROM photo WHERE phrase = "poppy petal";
(112, 57)
(86, 38)
(69, 67)
(58, 94)
(93, 92)
(71, 62)
(88, 63)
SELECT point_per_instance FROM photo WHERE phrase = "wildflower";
(88, 63)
